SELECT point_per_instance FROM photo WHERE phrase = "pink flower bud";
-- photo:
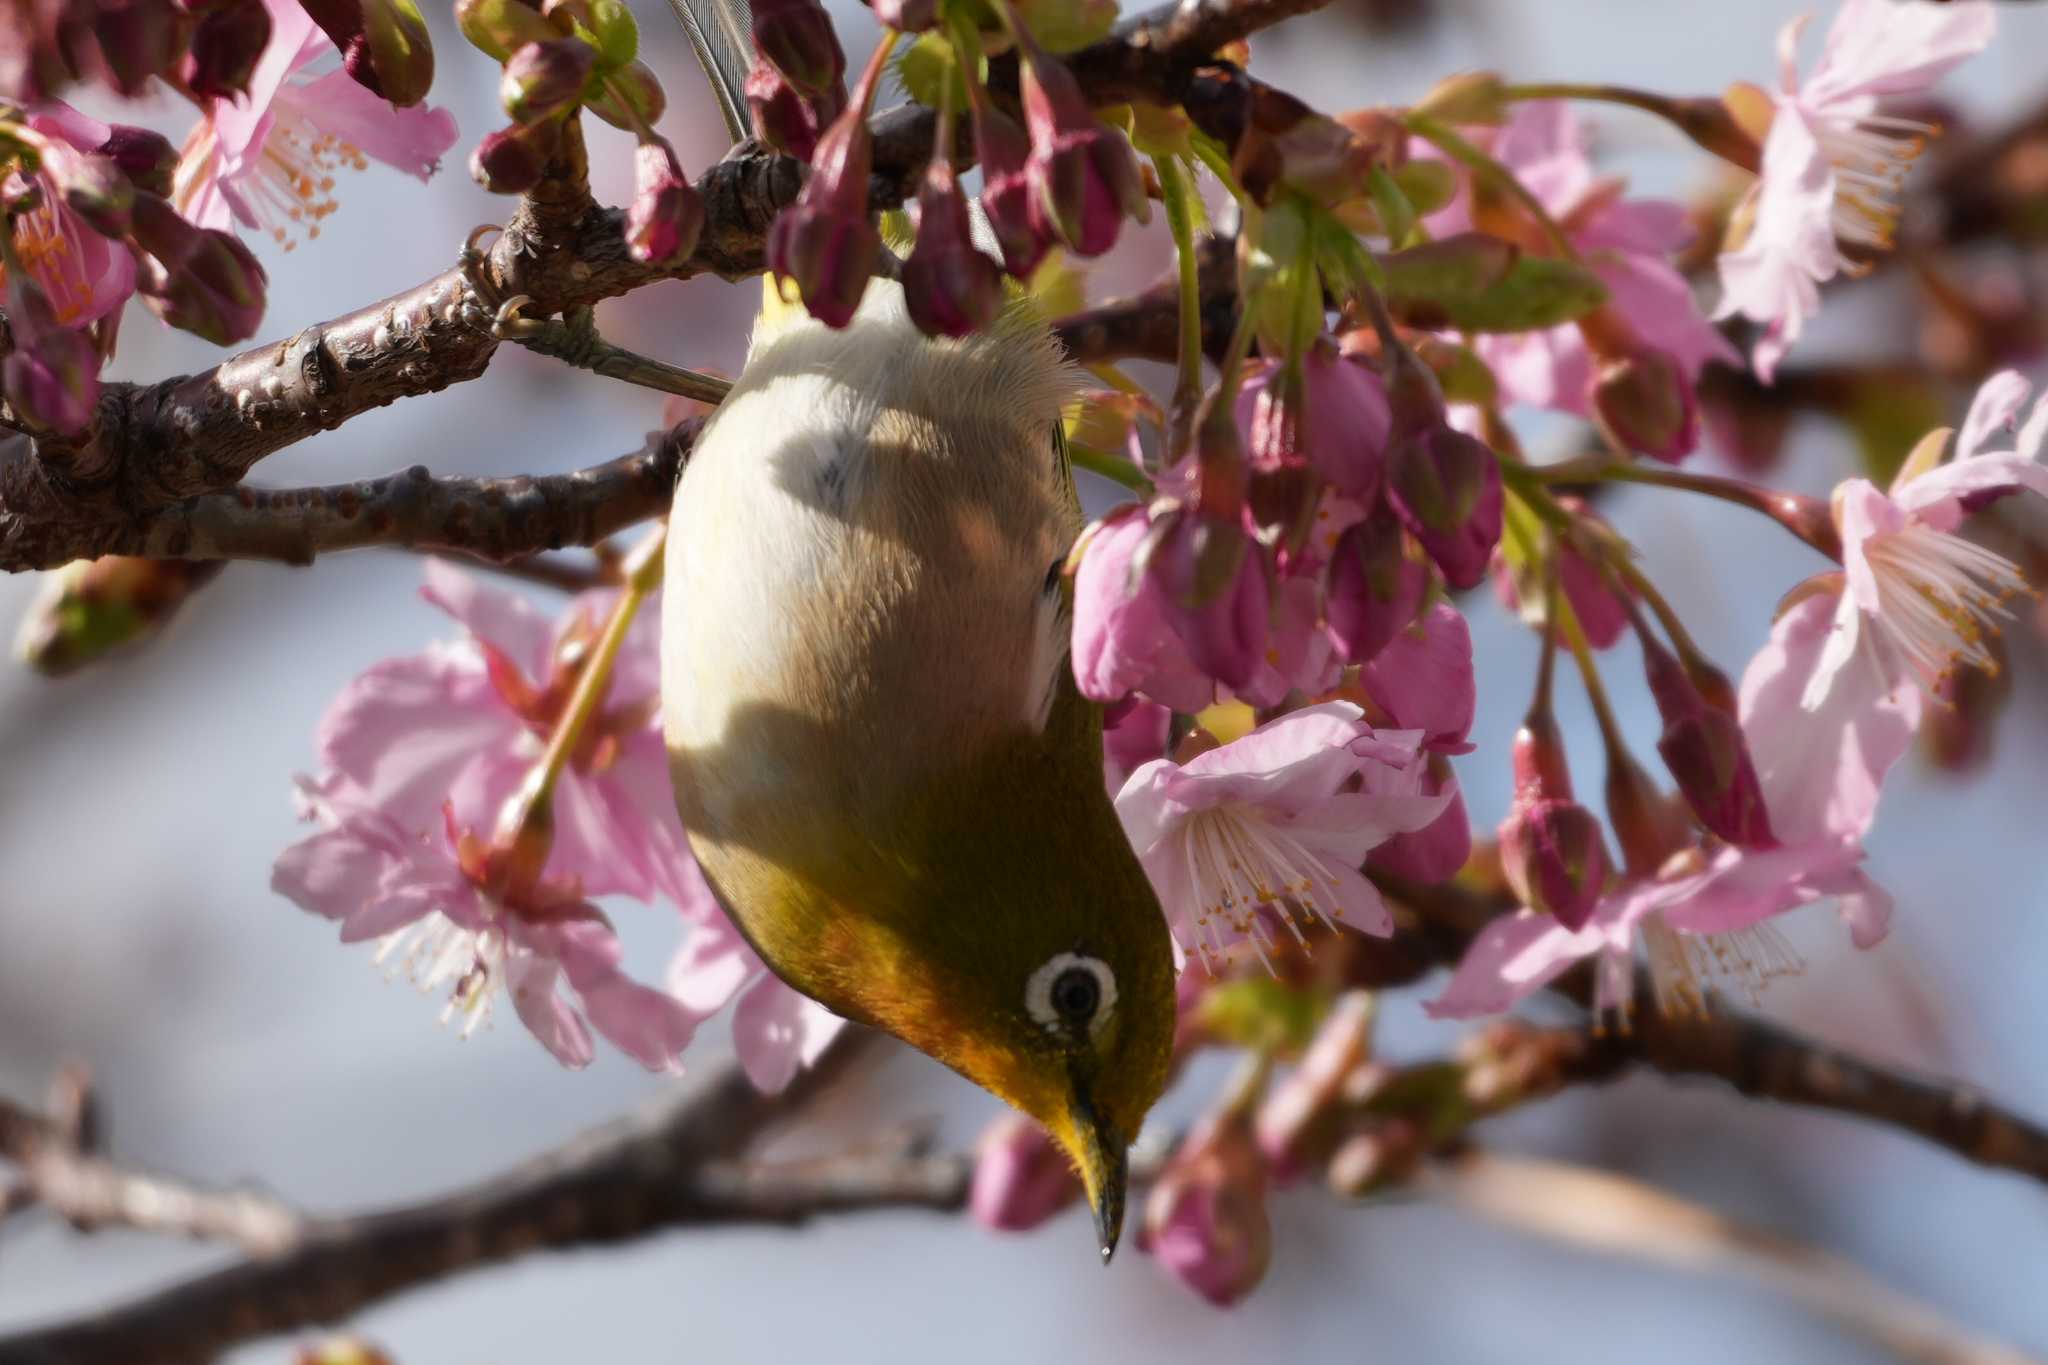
(510, 160)
(1021, 1177)
(1206, 1217)
(225, 47)
(1374, 589)
(1007, 196)
(1642, 401)
(1085, 175)
(51, 376)
(137, 40)
(147, 158)
(825, 241)
(908, 16)
(1336, 419)
(667, 214)
(796, 37)
(949, 284)
(784, 117)
(1704, 748)
(1215, 588)
(1446, 488)
(1554, 856)
(384, 44)
(1603, 616)
(204, 281)
(1650, 825)
(544, 79)
(92, 607)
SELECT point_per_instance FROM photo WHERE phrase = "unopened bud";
(1021, 1177)
(1084, 174)
(1641, 400)
(544, 79)
(1215, 580)
(51, 374)
(138, 40)
(511, 160)
(1007, 197)
(147, 158)
(396, 49)
(92, 607)
(667, 214)
(1466, 98)
(224, 49)
(1704, 749)
(825, 241)
(501, 27)
(1446, 487)
(784, 117)
(797, 38)
(206, 282)
(1375, 588)
(950, 285)
(630, 98)
(1554, 856)
(1206, 1219)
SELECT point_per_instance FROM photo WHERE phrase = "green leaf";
(612, 32)
(925, 69)
(1064, 25)
(1477, 283)
(1263, 1013)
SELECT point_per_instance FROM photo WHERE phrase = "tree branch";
(152, 446)
(670, 1165)
(1766, 1060)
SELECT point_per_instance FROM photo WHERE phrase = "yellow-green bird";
(878, 750)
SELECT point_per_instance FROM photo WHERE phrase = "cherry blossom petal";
(1996, 408)
(1511, 958)
(1424, 679)
(547, 1016)
(1882, 47)
(505, 621)
(413, 140)
(776, 1031)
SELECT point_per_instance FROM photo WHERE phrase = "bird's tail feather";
(721, 34)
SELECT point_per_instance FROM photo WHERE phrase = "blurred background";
(232, 1040)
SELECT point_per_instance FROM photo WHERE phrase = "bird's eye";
(1071, 993)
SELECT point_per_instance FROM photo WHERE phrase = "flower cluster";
(96, 213)
(430, 842)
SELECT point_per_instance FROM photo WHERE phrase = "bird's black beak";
(1104, 1157)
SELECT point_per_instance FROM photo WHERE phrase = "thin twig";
(673, 1164)
(1766, 1060)
(1603, 1212)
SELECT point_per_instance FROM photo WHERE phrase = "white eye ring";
(1038, 992)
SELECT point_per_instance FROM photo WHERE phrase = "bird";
(885, 769)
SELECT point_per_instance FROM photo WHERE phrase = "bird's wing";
(721, 34)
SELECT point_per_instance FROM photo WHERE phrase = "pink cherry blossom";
(85, 275)
(1916, 599)
(1832, 164)
(1706, 910)
(1264, 828)
(424, 900)
(775, 1031)
(1628, 243)
(468, 719)
(268, 159)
